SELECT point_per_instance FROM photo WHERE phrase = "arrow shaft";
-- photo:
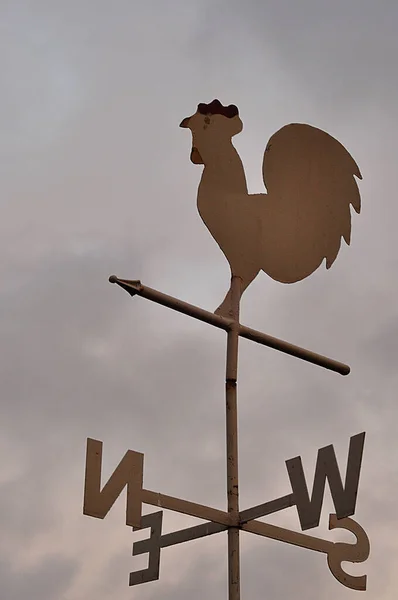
(136, 288)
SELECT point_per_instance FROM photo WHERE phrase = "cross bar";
(336, 552)
(210, 527)
(218, 520)
(274, 532)
(178, 537)
(135, 287)
(281, 534)
(187, 508)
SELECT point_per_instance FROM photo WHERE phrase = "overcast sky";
(96, 179)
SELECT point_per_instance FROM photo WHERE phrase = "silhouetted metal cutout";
(129, 473)
(150, 546)
(287, 233)
(218, 521)
(299, 223)
(344, 498)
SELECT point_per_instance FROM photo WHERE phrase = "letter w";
(129, 472)
(344, 498)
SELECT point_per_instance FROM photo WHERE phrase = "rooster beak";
(185, 122)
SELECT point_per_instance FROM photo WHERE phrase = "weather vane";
(287, 233)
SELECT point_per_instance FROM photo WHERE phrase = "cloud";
(96, 180)
(45, 581)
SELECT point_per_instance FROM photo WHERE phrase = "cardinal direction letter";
(129, 472)
(344, 498)
(152, 546)
(343, 552)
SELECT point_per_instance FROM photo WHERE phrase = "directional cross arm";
(211, 526)
(273, 532)
(136, 288)
(336, 553)
(218, 521)
(267, 508)
(288, 536)
(188, 508)
(178, 537)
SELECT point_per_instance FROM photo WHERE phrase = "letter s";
(355, 553)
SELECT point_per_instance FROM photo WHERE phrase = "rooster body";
(291, 230)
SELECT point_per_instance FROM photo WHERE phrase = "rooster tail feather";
(310, 179)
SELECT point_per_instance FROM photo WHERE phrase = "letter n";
(344, 498)
(129, 472)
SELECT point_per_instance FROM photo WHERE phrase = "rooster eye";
(207, 120)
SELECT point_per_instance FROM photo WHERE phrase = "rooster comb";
(216, 108)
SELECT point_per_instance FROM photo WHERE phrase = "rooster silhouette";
(298, 223)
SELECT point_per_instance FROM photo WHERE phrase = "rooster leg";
(225, 308)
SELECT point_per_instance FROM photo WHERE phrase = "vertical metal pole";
(232, 440)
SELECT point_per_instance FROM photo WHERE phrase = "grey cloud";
(342, 53)
(96, 179)
(47, 581)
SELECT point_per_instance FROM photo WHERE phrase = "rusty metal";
(183, 535)
(129, 473)
(267, 508)
(336, 552)
(288, 233)
(137, 288)
(234, 520)
(211, 527)
(189, 508)
(231, 376)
